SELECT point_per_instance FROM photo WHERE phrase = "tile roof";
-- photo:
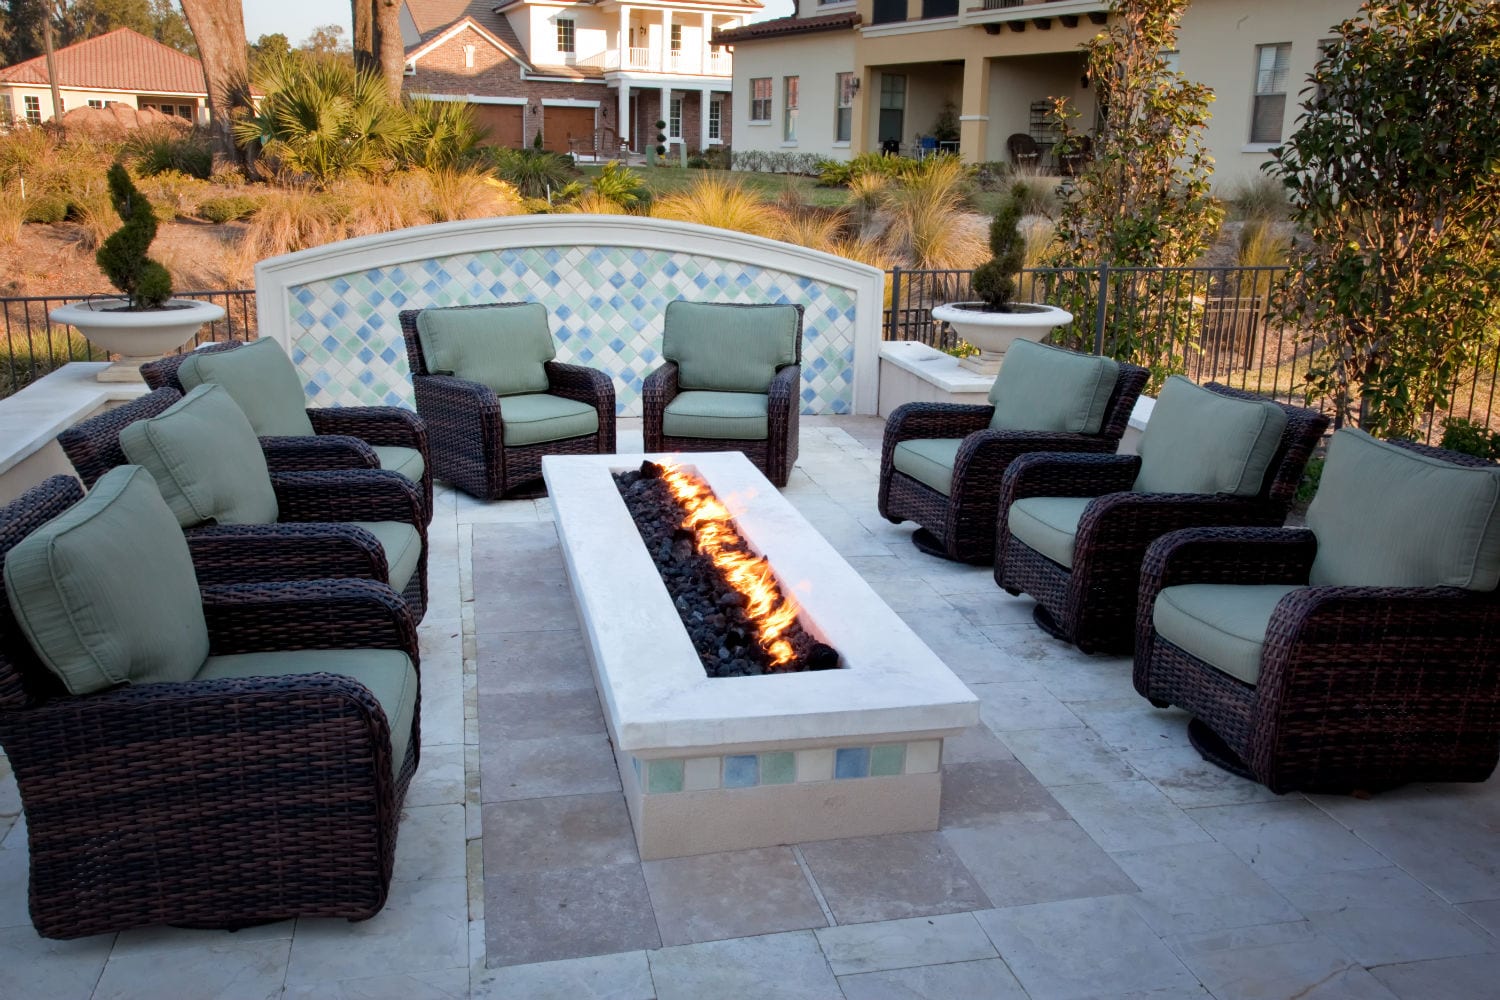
(792, 25)
(433, 17)
(122, 60)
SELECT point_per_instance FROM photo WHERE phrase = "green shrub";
(1463, 435)
(47, 209)
(995, 279)
(122, 257)
(156, 151)
(534, 173)
(229, 208)
(1312, 475)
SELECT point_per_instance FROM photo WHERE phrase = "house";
(888, 69)
(589, 76)
(119, 67)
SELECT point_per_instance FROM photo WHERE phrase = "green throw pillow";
(206, 460)
(502, 346)
(1388, 517)
(1042, 388)
(725, 347)
(262, 381)
(106, 592)
(1198, 441)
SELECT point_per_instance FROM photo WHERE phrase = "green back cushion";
(206, 460)
(105, 591)
(262, 381)
(723, 347)
(1043, 388)
(1198, 441)
(1388, 517)
(502, 346)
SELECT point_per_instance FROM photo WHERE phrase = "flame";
(714, 534)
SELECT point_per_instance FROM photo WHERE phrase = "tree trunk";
(219, 29)
(377, 41)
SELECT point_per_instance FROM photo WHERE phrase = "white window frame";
(567, 36)
(674, 118)
(843, 108)
(790, 85)
(674, 38)
(715, 120)
(33, 108)
(760, 115)
(1272, 77)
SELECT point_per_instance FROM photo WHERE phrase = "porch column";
(705, 53)
(863, 129)
(666, 48)
(974, 119)
(624, 44)
(666, 116)
(624, 129)
(705, 96)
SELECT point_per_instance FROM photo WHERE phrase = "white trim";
(973, 118)
(532, 76)
(656, 81)
(568, 102)
(1259, 147)
(909, 27)
(473, 99)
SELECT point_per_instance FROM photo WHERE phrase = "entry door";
(892, 107)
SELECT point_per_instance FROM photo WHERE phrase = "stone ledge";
(31, 419)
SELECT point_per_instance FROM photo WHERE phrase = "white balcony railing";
(648, 60)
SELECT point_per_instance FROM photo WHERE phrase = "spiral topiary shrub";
(995, 280)
(122, 257)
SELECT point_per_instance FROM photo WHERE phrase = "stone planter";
(137, 337)
(994, 332)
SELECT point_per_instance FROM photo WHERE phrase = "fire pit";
(730, 763)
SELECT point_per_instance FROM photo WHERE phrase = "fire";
(713, 530)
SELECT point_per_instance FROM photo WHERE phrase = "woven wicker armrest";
(1127, 520)
(330, 451)
(995, 449)
(1227, 555)
(662, 381)
(1049, 474)
(251, 553)
(311, 614)
(349, 495)
(935, 420)
(782, 392)
(657, 390)
(586, 385)
(391, 426)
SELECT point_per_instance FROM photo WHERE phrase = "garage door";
(503, 122)
(561, 125)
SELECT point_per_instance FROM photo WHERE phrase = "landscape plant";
(122, 257)
(995, 280)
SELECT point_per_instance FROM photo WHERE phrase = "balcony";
(1019, 15)
(649, 60)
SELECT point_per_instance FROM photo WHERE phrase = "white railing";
(650, 60)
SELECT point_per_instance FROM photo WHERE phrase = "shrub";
(46, 209)
(995, 280)
(619, 184)
(159, 150)
(929, 224)
(1260, 198)
(122, 257)
(228, 208)
(174, 193)
(533, 173)
(444, 134)
(1463, 435)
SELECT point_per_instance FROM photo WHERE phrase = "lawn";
(665, 180)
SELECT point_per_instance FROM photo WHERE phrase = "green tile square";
(887, 759)
(664, 776)
(779, 768)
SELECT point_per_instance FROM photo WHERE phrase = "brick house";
(589, 75)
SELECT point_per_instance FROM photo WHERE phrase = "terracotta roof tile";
(122, 60)
(782, 26)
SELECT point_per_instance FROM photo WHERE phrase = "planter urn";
(993, 332)
(137, 336)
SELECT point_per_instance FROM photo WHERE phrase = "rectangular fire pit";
(730, 763)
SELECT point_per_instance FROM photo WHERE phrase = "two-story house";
(589, 76)
(840, 77)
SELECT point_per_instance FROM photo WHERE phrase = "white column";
(666, 43)
(705, 96)
(666, 116)
(624, 129)
(624, 45)
(704, 49)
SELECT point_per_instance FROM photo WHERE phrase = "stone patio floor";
(1085, 850)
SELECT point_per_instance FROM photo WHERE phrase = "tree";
(326, 40)
(266, 50)
(75, 20)
(1393, 173)
(377, 41)
(219, 29)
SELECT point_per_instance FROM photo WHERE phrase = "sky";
(297, 18)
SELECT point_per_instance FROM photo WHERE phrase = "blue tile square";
(851, 762)
(741, 771)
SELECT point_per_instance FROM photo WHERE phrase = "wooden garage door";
(503, 122)
(559, 125)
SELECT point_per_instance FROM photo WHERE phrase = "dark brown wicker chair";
(346, 436)
(961, 525)
(1093, 604)
(219, 803)
(775, 454)
(467, 430)
(1024, 151)
(1359, 688)
(311, 541)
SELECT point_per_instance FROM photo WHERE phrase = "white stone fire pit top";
(650, 678)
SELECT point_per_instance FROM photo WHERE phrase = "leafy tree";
(326, 40)
(1394, 171)
(122, 257)
(267, 49)
(76, 20)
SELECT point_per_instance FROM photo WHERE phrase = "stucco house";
(847, 76)
(590, 76)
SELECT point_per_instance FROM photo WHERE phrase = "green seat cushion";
(1388, 517)
(735, 416)
(928, 460)
(1048, 525)
(502, 346)
(206, 460)
(1042, 388)
(262, 381)
(404, 461)
(106, 593)
(403, 549)
(542, 417)
(1198, 441)
(729, 348)
(388, 673)
(1221, 624)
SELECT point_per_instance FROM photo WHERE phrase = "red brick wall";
(648, 112)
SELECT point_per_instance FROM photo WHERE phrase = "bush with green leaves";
(533, 172)
(228, 208)
(995, 280)
(47, 209)
(624, 187)
(1470, 437)
(1392, 173)
(122, 257)
(162, 149)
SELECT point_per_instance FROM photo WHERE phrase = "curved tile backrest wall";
(604, 279)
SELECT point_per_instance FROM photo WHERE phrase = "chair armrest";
(1126, 521)
(312, 454)
(577, 382)
(662, 382)
(657, 390)
(782, 391)
(255, 553)
(1043, 474)
(935, 420)
(349, 495)
(995, 449)
(312, 614)
(1243, 556)
(391, 426)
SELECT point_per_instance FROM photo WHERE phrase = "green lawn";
(665, 180)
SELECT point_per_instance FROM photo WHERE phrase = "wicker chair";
(1024, 151)
(209, 802)
(314, 438)
(312, 538)
(721, 362)
(472, 445)
(1349, 687)
(1092, 602)
(960, 524)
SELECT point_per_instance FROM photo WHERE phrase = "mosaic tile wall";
(786, 767)
(606, 305)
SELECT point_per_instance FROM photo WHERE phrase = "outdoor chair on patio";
(731, 381)
(1024, 151)
(214, 758)
(496, 401)
(1073, 529)
(1359, 653)
(296, 437)
(941, 463)
(245, 524)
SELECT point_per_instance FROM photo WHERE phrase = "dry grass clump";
(593, 202)
(722, 203)
(12, 213)
(929, 227)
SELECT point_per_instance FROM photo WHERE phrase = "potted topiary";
(994, 322)
(147, 322)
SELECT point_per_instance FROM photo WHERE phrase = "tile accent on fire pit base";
(785, 767)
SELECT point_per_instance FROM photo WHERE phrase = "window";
(33, 109)
(468, 57)
(715, 119)
(1272, 63)
(760, 99)
(95, 103)
(674, 118)
(565, 35)
(939, 8)
(185, 111)
(676, 38)
(1327, 47)
(789, 120)
(843, 115)
(889, 11)
(7, 110)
